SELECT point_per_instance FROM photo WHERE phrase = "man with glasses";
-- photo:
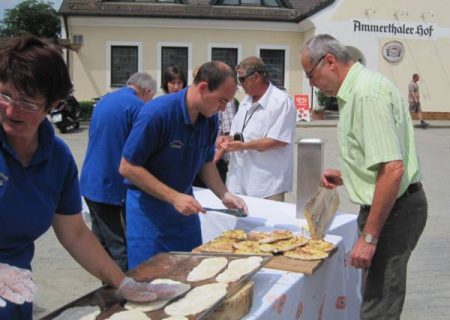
(380, 170)
(262, 136)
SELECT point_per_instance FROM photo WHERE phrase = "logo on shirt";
(3, 179)
(176, 144)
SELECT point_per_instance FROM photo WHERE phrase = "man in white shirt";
(262, 136)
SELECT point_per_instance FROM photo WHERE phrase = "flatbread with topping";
(283, 245)
(247, 247)
(306, 253)
(276, 236)
(257, 235)
(207, 268)
(321, 244)
(221, 244)
(235, 234)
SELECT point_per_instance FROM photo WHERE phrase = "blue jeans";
(384, 282)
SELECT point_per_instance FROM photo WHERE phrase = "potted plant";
(318, 111)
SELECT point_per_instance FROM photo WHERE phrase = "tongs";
(234, 212)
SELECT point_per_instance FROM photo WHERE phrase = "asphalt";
(60, 279)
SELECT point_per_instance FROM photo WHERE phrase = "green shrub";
(86, 108)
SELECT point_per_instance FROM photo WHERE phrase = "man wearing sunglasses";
(262, 136)
(380, 170)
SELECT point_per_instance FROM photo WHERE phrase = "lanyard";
(245, 119)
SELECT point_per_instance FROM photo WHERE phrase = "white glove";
(16, 285)
(135, 291)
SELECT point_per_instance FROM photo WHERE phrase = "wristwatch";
(368, 238)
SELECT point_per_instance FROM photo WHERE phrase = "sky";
(9, 4)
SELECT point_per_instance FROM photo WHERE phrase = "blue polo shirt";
(110, 126)
(29, 198)
(165, 142)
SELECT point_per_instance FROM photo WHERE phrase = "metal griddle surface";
(171, 265)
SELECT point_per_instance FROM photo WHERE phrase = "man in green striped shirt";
(380, 170)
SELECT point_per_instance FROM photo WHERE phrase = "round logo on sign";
(393, 51)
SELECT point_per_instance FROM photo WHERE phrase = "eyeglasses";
(310, 72)
(23, 105)
(243, 78)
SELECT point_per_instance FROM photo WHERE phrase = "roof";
(193, 9)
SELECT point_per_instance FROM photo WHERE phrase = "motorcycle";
(67, 115)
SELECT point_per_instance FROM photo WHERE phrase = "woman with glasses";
(39, 180)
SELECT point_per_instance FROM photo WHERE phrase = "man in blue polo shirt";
(100, 182)
(172, 140)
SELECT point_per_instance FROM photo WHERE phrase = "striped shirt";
(374, 128)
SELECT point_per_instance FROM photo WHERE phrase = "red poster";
(301, 102)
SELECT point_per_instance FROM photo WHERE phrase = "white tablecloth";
(332, 292)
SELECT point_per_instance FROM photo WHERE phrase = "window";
(124, 62)
(253, 3)
(227, 55)
(275, 60)
(174, 56)
(148, 1)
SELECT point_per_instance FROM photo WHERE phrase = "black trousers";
(384, 282)
(108, 225)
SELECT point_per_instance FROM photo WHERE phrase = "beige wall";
(89, 65)
(427, 56)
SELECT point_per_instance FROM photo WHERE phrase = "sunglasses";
(243, 78)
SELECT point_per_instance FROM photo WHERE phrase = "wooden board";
(320, 211)
(175, 266)
(294, 265)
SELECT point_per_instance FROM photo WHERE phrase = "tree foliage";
(31, 16)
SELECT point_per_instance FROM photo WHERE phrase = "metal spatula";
(234, 212)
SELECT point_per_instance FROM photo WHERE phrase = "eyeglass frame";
(309, 74)
(242, 79)
(30, 107)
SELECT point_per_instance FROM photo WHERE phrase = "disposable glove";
(135, 291)
(232, 201)
(16, 285)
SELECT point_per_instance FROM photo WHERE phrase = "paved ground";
(60, 279)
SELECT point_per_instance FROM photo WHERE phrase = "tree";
(31, 16)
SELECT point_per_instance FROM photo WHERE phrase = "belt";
(412, 188)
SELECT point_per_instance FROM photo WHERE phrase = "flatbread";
(197, 300)
(207, 268)
(129, 315)
(238, 268)
(306, 253)
(283, 245)
(321, 244)
(221, 244)
(276, 236)
(257, 235)
(247, 247)
(235, 234)
(158, 304)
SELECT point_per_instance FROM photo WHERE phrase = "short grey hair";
(254, 64)
(322, 44)
(142, 80)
